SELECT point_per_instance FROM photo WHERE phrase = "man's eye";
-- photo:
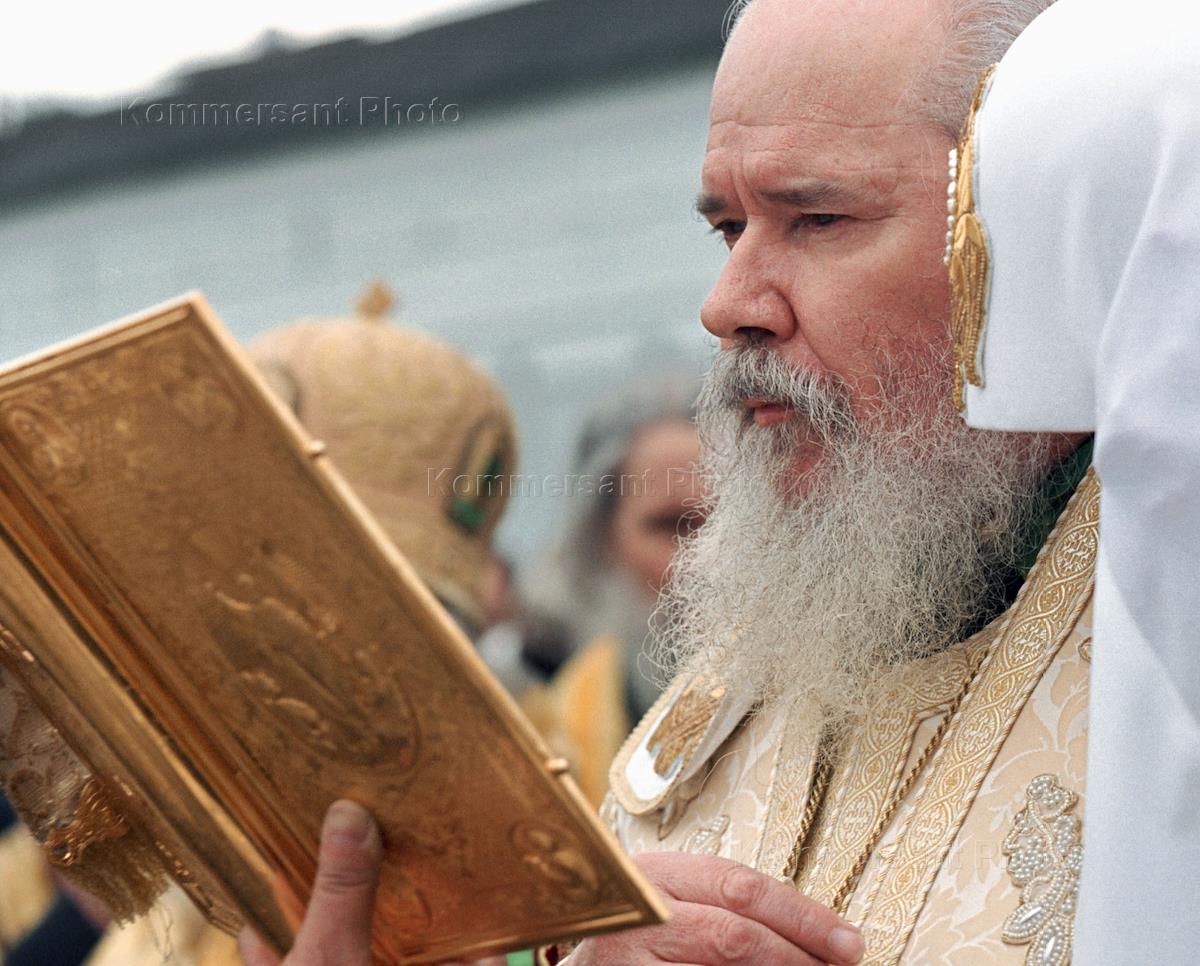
(729, 230)
(819, 220)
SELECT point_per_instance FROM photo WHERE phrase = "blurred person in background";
(636, 495)
(521, 651)
(425, 438)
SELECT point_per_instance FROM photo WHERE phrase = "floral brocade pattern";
(936, 889)
(1035, 630)
(901, 723)
(973, 894)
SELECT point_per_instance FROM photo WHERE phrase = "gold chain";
(823, 776)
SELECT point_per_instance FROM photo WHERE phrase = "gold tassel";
(126, 874)
(103, 854)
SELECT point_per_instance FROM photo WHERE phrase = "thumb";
(337, 926)
(254, 951)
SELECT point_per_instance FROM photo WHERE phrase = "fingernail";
(847, 943)
(348, 823)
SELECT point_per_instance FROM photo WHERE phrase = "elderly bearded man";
(865, 723)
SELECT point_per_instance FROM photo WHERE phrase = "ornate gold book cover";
(198, 603)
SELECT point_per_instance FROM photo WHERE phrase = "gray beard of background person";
(602, 577)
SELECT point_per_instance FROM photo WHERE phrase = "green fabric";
(520, 959)
(1056, 491)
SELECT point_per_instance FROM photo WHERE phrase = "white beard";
(894, 547)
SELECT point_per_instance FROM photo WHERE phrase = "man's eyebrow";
(709, 204)
(811, 195)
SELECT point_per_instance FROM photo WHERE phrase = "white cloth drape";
(1087, 182)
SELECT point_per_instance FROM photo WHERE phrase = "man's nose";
(744, 305)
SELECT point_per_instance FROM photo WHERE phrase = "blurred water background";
(549, 235)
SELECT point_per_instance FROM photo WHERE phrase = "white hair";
(978, 34)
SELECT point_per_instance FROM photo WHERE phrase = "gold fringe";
(125, 873)
(103, 853)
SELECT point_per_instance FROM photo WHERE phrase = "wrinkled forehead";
(849, 63)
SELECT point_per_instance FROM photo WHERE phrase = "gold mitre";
(425, 437)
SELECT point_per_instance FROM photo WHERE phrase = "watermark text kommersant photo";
(445, 482)
(372, 111)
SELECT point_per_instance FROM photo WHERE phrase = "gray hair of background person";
(567, 584)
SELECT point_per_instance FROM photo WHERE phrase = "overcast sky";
(120, 48)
